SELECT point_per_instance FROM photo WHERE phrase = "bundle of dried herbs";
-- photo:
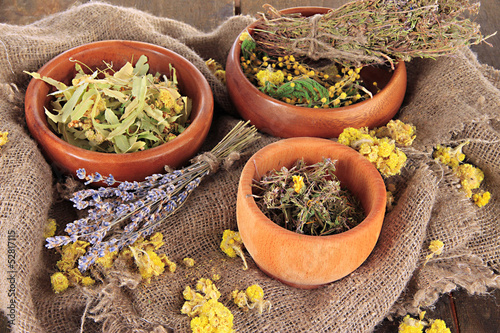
(308, 199)
(124, 111)
(116, 217)
(366, 32)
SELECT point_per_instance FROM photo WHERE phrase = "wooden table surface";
(462, 312)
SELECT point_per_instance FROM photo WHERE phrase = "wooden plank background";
(462, 312)
(206, 15)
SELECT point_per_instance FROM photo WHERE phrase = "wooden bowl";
(130, 166)
(280, 119)
(300, 260)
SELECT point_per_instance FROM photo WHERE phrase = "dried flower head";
(3, 138)
(251, 298)
(232, 245)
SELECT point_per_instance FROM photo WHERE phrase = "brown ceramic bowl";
(300, 260)
(284, 120)
(129, 166)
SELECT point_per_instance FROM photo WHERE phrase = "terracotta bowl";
(131, 166)
(300, 260)
(280, 119)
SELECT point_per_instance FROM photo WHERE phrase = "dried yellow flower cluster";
(50, 228)
(140, 255)
(3, 138)
(251, 298)
(203, 306)
(216, 69)
(232, 245)
(69, 275)
(470, 176)
(379, 145)
(412, 325)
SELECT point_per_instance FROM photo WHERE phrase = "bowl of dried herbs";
(314, 71)
(117, 107)
(309, 210)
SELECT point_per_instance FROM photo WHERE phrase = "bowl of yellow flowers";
(124, 108)
(294, 226)
(287, 95)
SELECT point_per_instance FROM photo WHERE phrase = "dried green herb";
(365, 32)
(118, 111)
(308, 199)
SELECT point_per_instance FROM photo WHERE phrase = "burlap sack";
(449, 100)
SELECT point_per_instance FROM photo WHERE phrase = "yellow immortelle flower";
(232, 245)
(59, 282)
(436, 247)
(438, 326)
(245, 35)
(298, 183)
(70, 254)
(481, 198)
(470, 178)
(410, 325)
(255, 293)
(189, 262)
(3, 138)
(50, 228)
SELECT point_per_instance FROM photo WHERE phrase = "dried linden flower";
(232, 245)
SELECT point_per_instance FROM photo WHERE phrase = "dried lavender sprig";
(118, 216)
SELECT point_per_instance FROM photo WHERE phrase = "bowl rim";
(235, 54)
(378, 207)
(47, 136)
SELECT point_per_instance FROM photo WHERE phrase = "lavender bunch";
(118, 216)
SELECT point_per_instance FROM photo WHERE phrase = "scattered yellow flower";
(438, 326)
(436, 247)
(411, 325)
(4, 138)
(481, 198)
(189, 262)
(59, 282)
(50, 228)
(232, 245)
(207, 313)
(470, 178)
(252, 298)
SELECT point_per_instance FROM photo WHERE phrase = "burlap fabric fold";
(448, 100)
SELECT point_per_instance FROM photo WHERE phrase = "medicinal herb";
(469, 175)
(118, 111)
(116, 217)
(251, 298)
(379, 145)
(4, 138)
(412, 325)
(315, 61)
(308, 199)
(203, 306)
(232, 246)
(297, 83)
(140, 256)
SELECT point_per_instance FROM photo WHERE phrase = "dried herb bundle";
(308, 199)
(365, 32)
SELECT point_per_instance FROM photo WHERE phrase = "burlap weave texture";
(448, 100)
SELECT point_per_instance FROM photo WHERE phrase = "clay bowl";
(284, 120)
(131, 166)
(305, 261)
